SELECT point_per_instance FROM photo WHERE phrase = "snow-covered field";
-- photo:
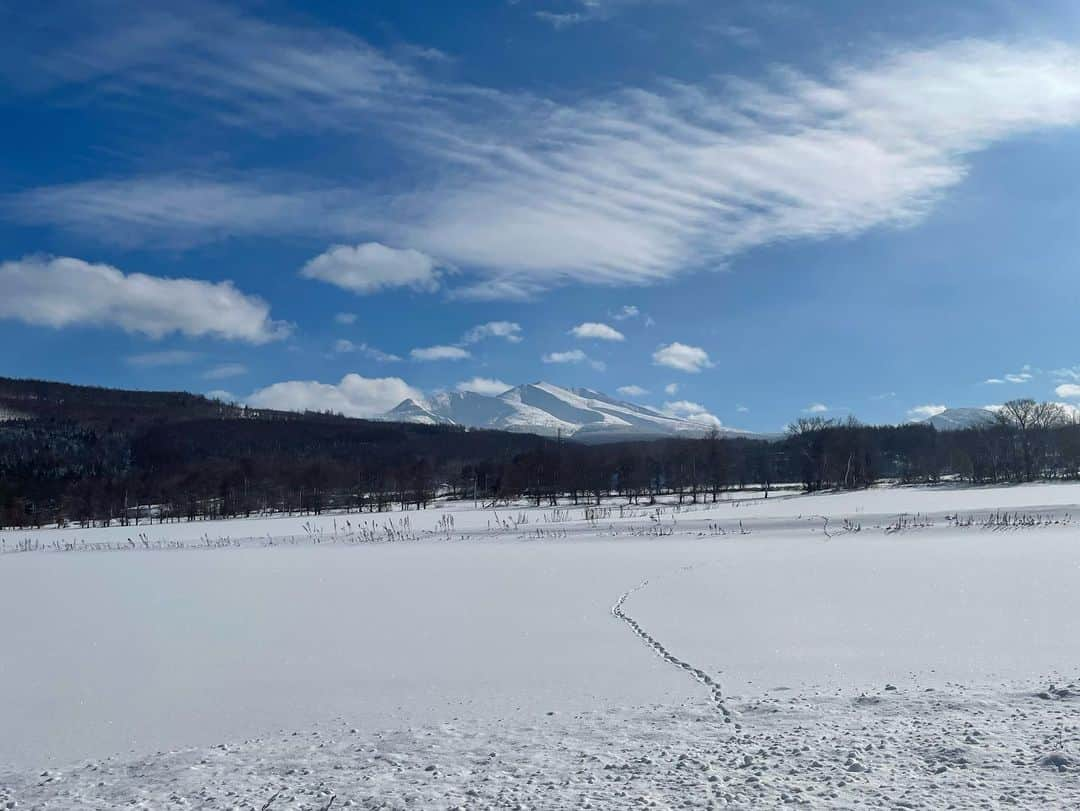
(821, 651)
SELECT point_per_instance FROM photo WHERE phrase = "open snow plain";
(910, 647)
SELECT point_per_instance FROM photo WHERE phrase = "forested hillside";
(91, 455)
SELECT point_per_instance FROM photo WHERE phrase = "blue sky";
(746, 210)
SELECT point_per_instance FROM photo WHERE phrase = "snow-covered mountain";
(549, 410)
(957, 419)
(412, 411)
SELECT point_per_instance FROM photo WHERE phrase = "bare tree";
(808, 436)
(1029, 422)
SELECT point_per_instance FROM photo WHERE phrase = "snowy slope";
(472, 410)
(549, 410)
(412, 411)
(957, 419)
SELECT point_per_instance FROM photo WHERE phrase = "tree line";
(76, 464)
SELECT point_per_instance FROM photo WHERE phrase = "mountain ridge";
(550, 410)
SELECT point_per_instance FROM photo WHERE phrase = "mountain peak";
(957, 419)
(548, 410)
(409, 410)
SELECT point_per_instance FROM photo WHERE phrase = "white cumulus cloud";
(632, 391)
(372, 266)
(1068, 391)
(924, 412)
(685, 358)
(507, 330)
(483, 385)
(64, 292)
(591, 330)
(695, 412)
(353, 396)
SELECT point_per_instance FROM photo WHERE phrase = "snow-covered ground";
(880, 504)
(802, 650)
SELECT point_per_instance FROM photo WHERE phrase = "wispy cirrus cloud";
(224, 371)
(166, 357)
(646, 183)
(180, 210)
(563, 19)
(343, 346)
(570, 356)
(1025, 375)
(1069, 373)
(632, 187)
(211, 57)
(575, 12)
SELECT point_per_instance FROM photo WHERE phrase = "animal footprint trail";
(619, 612)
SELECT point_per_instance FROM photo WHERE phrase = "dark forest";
(85, 455)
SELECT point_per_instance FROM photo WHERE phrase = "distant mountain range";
(592, 416)
(550, 410)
